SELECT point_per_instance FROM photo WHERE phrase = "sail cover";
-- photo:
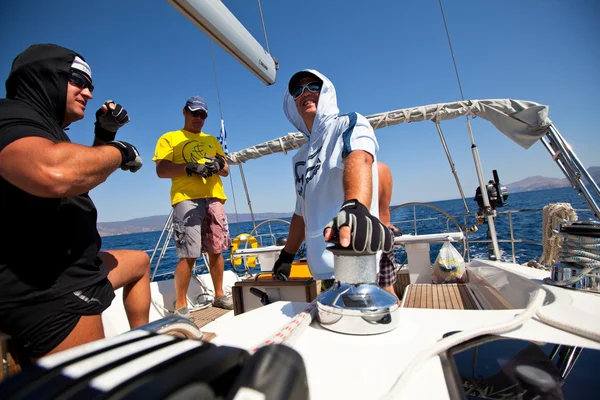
(524, 122)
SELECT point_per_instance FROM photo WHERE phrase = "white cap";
(82, 66)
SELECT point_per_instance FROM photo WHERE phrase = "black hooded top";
(49, 246)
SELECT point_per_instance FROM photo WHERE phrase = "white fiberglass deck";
(366, 367)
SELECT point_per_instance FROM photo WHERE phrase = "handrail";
(513, 240)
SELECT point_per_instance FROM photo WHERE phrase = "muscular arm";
(296, 234)
(358, 177)
(167, 169)
(385, 193)
(47, 169)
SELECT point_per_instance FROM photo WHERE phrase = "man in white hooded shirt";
(337, 167)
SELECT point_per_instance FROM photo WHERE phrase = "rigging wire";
(474, 149)
(262, 20)
(462, 97)
(237, 218)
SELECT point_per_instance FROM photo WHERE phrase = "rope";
(237, 217)
(581, 252)
(263, 26)
(553, 214)
(401, 386)
(216, 79)
(289, 332)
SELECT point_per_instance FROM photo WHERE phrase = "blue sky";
(380, 55)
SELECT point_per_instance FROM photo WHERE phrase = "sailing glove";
(283, 265)
(368, 234)
(108, 122)
(130, 157)
(197, 169)
(215, 164)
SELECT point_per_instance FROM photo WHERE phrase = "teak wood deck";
(449, 296)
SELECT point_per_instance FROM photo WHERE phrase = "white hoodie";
(318, 169)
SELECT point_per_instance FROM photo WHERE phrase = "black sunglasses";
(314, 87)
(81, 81)
(198, 113)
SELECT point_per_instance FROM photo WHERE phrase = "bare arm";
(385, 193)
(225, 170)
(358, 177)
(296, 234)
(358, 184)
(47, 169)
(168, 169)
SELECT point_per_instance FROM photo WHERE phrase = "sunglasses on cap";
(314, 87)
(81, 81)
(198, 113)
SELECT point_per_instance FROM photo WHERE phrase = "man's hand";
(109, 118)
(198, 169)
(395, 230)
(283, 266)
(215, 164)
(130, 157)
(355, 226)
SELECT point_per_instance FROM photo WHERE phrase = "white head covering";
(82, 66)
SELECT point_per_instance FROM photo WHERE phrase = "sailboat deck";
(207, 315)
(450, 296)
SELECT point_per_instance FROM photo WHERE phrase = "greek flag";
(223, 137)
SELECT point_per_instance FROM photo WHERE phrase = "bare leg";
(130, 269)
(183, 275)
(390, 290)
(88, 329)
(216, 268)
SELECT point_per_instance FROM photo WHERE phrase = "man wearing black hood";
(54, 281)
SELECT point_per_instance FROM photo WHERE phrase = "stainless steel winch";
(356, 304)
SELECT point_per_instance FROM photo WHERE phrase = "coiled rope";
(582, 252)
(553, 214)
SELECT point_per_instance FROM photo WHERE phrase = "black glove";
(215, 164)
(396, 231)
(108, 122)
(198, 169)
(368, 234)
(130, 157)
(283, 265)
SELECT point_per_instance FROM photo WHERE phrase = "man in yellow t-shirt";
(194, 161)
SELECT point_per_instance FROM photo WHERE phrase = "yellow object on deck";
(243, 241)
(299, 271)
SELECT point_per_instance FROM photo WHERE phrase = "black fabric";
(110, 121)
(198, 169)
(130, 157)
(368, 234)
(39, 328)
(283, 265)
(215, 164)
(50, 245)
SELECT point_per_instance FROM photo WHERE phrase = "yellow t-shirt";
(181, 147)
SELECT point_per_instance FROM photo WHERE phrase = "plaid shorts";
(387, 270)
(200, 226)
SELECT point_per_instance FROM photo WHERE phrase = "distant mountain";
(157, 223)
(540, 182)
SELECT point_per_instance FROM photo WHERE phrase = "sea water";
(526, 226)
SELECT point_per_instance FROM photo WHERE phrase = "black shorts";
(40, 327)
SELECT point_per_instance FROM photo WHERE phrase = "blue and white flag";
(223, 138)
